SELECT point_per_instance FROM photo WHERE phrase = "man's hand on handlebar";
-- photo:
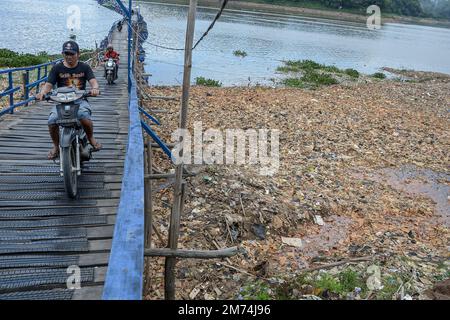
(94, 92)
(41, 96)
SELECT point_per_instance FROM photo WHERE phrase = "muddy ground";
(363, 182)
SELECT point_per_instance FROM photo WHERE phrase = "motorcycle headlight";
(110, 64)
(66, 96)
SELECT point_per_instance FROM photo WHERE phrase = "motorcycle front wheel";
(69, 159)
(110, 78)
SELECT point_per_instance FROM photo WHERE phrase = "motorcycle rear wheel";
(68, 156)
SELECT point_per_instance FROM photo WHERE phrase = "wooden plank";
(100, 245)
(88, 293)
(93, 259)
(100, 232)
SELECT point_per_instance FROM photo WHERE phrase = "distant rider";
(111, 54)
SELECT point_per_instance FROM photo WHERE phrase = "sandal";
(53, 154)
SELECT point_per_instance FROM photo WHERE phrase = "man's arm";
(51, 81)
(45, 89)
(95, 88)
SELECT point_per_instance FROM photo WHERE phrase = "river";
(41, 25)
(268, 39)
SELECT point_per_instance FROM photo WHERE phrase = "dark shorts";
(84, 112)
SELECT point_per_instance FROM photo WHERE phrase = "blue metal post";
(27, 82)
(38, 78)
(130, 35)
(11, 85)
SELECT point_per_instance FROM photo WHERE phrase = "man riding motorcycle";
(111, 54)
(71, 72)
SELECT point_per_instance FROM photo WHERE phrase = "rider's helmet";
(110, 47)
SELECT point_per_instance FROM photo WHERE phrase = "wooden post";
(148, 198)
(24, 84)
(176, 209)
(10, 86)
(25, 80)
(136, 51)
(38, 78)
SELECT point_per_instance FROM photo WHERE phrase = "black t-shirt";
(68, 77)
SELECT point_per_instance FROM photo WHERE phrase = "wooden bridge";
(47, 239)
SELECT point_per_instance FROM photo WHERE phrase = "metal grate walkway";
(42, 231)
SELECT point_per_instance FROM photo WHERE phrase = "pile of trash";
(322, 206)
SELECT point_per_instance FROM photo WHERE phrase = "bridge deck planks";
(31, 188)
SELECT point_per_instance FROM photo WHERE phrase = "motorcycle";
(74, 148)
(110, 70)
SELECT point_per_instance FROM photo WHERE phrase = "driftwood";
(194, 254)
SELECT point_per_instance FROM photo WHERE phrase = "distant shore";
(316, 13)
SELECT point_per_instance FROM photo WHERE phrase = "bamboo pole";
(148, 199)
(158, 176)
(176, 209)
(193, 254)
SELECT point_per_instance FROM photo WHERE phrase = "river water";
(41, 25)
(266, 38)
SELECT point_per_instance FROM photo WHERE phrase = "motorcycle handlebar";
(86, 94)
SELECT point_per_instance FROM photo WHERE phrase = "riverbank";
(311, 12)
(362, 186)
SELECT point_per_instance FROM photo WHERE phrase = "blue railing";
(153, 134)
(124, 278)
(126, 263)
(42, 75)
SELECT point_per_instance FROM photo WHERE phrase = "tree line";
(415, 8)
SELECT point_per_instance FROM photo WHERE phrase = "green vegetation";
(318, 79)
(240, 53)
(350, 280)
(321, 284)
(256, 291)
(329, 283)
(436, 8)
(348, 283)
(293, 82)
(352, 73)
(416, 8)
(201, 81)
(345, 284)
(379, 75)
(11, 59)
(305, 65)
(313, 74)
